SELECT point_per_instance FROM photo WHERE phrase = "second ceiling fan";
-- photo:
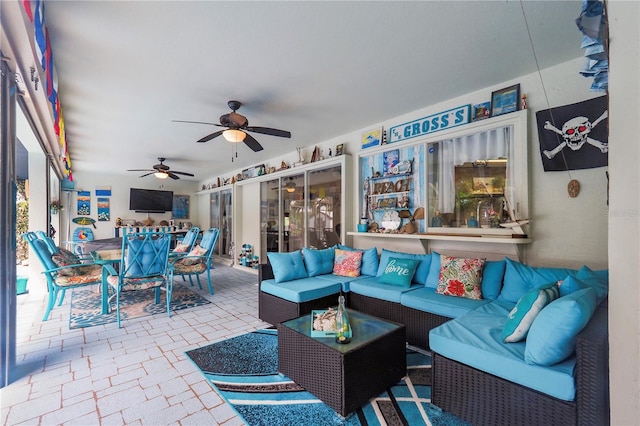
(237, 127)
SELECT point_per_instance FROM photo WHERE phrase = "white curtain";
(489, 145)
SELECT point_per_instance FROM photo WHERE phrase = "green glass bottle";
(343, 327)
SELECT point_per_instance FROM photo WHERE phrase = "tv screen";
(150, 200)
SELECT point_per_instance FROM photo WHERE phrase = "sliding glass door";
(221, 215)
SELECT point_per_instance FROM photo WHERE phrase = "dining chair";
(199, 259)
(63, 270)
(144, 265)
(187, 243)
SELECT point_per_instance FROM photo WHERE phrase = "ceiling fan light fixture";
(234, 135)
(161, 175)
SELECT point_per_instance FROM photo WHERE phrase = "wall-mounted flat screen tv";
(150, 200)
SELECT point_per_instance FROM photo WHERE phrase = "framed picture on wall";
(340, 149)
(371, 138)
(505, 100)
(180, 206)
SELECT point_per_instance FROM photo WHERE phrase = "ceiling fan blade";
(198, 122)
(252, 143)
(140, 170)
(172, 175)
(211, 136)
(268, 131)
(148, 174)
(182, 173)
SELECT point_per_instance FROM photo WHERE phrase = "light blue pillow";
(420, 277)
(599, 281)
(571, 284)
(434, 271)
(287, 266)
(552, 337)
(492, 278)
(369, 264)
(319, 262)
(526, 310)
(399, 271)
(519, 279)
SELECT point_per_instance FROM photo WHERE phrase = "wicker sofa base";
(275, 310)
(418, 325)
(389, 311)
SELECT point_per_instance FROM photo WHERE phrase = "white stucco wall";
(624, 213)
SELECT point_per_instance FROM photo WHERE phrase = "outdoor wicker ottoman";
(344, 376)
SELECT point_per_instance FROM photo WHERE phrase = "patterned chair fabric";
(61, 272)
(189, 240)
(144, 264)
(199, 259)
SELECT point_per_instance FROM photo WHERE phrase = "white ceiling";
(318, 69)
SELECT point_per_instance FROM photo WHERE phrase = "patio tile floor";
(138, 374)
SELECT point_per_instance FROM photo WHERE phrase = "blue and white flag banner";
(431, 124)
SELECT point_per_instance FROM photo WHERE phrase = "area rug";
(244, 370)
(86, 308)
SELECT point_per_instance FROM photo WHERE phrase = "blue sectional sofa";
(553, 370)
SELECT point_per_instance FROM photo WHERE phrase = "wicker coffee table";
(345, 376)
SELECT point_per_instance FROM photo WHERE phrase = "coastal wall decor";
(430, 124)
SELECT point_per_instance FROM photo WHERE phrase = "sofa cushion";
(528, 307)
(399, 271)
(571, 284)
(287, 266)
(343, 281)
(371, 287)
(460, 277)
(370, 262)
(422, 271)
(426, 299)
(492, 278)
(552, 337)
(598, 280)
(475, 340)
(347, 263)
(300, 290)
(318, 262)
(520, 279)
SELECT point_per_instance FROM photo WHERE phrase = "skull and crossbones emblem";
(575, 133)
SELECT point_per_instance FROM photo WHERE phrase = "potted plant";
(55, 207)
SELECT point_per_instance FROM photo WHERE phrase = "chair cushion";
(528, 307)
(181, 248)
(347, 263)
(287, 266)
(195, 251)
(129, 284)
(91, 274)
(422, 271)
(460, 277)
(370, 260)
(61, 260)
(399, 271)
(552, 337)
(144, 256)
(180, 268)
(318, 262)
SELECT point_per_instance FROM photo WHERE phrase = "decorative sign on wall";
(104, 211)
(431, 124)
(180, 206)
(84, 203)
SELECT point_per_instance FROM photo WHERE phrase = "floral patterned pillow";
(460, 277)
(347, 263)
(196, 251)
(62, 260)
(181, 248)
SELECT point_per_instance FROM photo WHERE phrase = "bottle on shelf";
(343, 327)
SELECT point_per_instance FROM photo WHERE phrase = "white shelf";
(479, 238)
(388, 194)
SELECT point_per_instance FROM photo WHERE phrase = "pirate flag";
(574, 136)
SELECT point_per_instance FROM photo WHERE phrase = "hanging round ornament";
(573, 188)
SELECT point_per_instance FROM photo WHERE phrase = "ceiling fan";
(237, 128)
(161, 171)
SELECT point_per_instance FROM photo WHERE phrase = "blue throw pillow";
(399, 271)
(519, 279)
(492, 278)
(434, 271)
(526, 310)
(552, 337)
(598, 281)
(369, 264)
(319, 262)
(287, 266)
(420, 277)
(571, 284)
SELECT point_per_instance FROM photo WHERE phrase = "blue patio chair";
(144, 264)
(199, 259)
(62, 270)
(187, 243)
